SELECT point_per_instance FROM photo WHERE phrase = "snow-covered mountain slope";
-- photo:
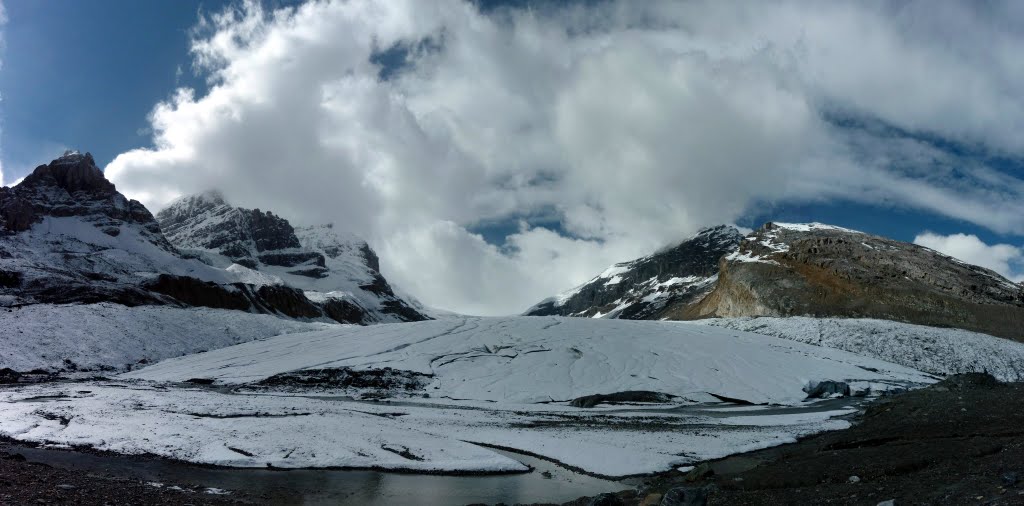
(648, 287)
(821, 270)
(338, 271)
(113, 337)
(941, 351)
(69, 236)
(544, 359)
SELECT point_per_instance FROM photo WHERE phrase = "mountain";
(336, 270)
(805, 270)
(68, 236)
(821, 270)
(647, 288)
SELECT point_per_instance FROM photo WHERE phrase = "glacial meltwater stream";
(323, 487)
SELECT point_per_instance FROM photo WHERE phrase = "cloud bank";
(1005, 259)
(631, 124)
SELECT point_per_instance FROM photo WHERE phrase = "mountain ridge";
(814, 269)
(335, 269)
(68, 236)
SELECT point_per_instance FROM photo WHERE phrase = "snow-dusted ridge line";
(807, 227)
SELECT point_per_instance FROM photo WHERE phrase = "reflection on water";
(313, 487)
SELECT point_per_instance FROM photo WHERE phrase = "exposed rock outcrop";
(801, 270)
(72, 185)
(821, 270)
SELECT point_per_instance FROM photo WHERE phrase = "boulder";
(686, 496)
(827, 389)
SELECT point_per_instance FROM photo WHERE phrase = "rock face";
(801, 270)
(649, 287)
(339, 272)
(68, 236)
(821, 270)
(247, 237)
(69, 186)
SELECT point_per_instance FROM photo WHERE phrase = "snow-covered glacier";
(545, 359)
(437, 395)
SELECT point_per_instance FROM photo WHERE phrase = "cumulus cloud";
(632, 123)
(1005, 259)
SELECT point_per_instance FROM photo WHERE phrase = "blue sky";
(87, 75)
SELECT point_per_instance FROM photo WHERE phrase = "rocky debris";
(589, 401)
(821, 270)
(827, 389)
(967, 381)
(25, 481)
(9, 376)
(699, 472)
(369, 382)
(606, 500)
(686, 496)
(649, 287)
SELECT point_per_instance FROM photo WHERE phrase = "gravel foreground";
(960, 441)
(23, 482)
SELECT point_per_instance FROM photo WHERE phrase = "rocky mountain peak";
(336, 269)
(72, 172)
(73, 185)
(207, 222)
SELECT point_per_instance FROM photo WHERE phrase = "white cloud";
(635, 123)
(1005, 259)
